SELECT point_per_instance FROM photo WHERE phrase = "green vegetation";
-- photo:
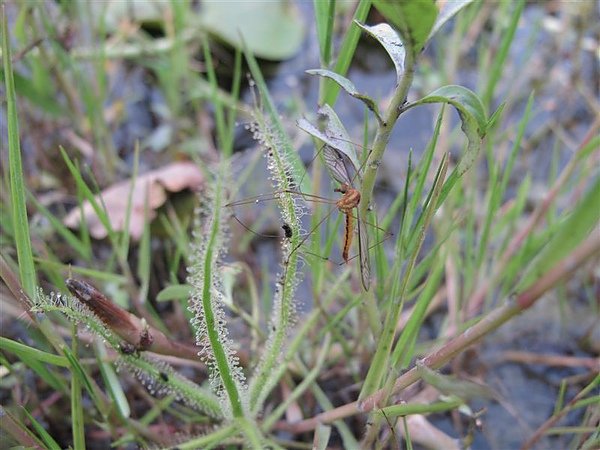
(179, 343)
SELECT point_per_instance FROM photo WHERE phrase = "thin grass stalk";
(308, 379)
(382, 135)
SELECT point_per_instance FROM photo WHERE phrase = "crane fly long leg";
(363, 254)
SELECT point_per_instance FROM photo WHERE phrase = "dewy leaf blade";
(286, 145)
(414, 20)
(391, 42)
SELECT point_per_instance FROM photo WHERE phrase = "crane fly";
(340, 168)
(343, 171)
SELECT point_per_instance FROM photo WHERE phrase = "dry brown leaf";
(153, 185)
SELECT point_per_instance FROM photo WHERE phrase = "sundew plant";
(175, 343)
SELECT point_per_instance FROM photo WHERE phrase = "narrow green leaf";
(324, 16)
(498, 62)
(111, 380)
(83, 378)
(174, 292)
(41, 431)
(349, 87)
(450, 385)
(14, 427)
(85, 251)
(322, 435)
(17, 182)
(344, 58)
(22, 350)
(408, 409)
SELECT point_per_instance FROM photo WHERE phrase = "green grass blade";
(499, 60)
(331, 90)
(111, 381)
(324, 17)
(24, 351)
(17, 182)
(83, 248)
(42, 433)
(580, 223)
(12, 425)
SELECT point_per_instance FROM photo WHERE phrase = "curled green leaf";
(391, 42)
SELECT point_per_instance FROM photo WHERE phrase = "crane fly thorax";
(349, 200)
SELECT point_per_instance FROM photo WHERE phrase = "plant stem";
(382, 136)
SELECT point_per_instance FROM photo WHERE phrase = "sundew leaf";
(270, 30)
(349, 87)
(334, 134)
(414, 20)
(391, 42)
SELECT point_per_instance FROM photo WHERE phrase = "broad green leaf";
(349, 87)
(414, 20)
(391, 42)
(270, 30)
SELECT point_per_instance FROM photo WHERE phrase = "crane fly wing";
(363, 254)
(340, 166)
